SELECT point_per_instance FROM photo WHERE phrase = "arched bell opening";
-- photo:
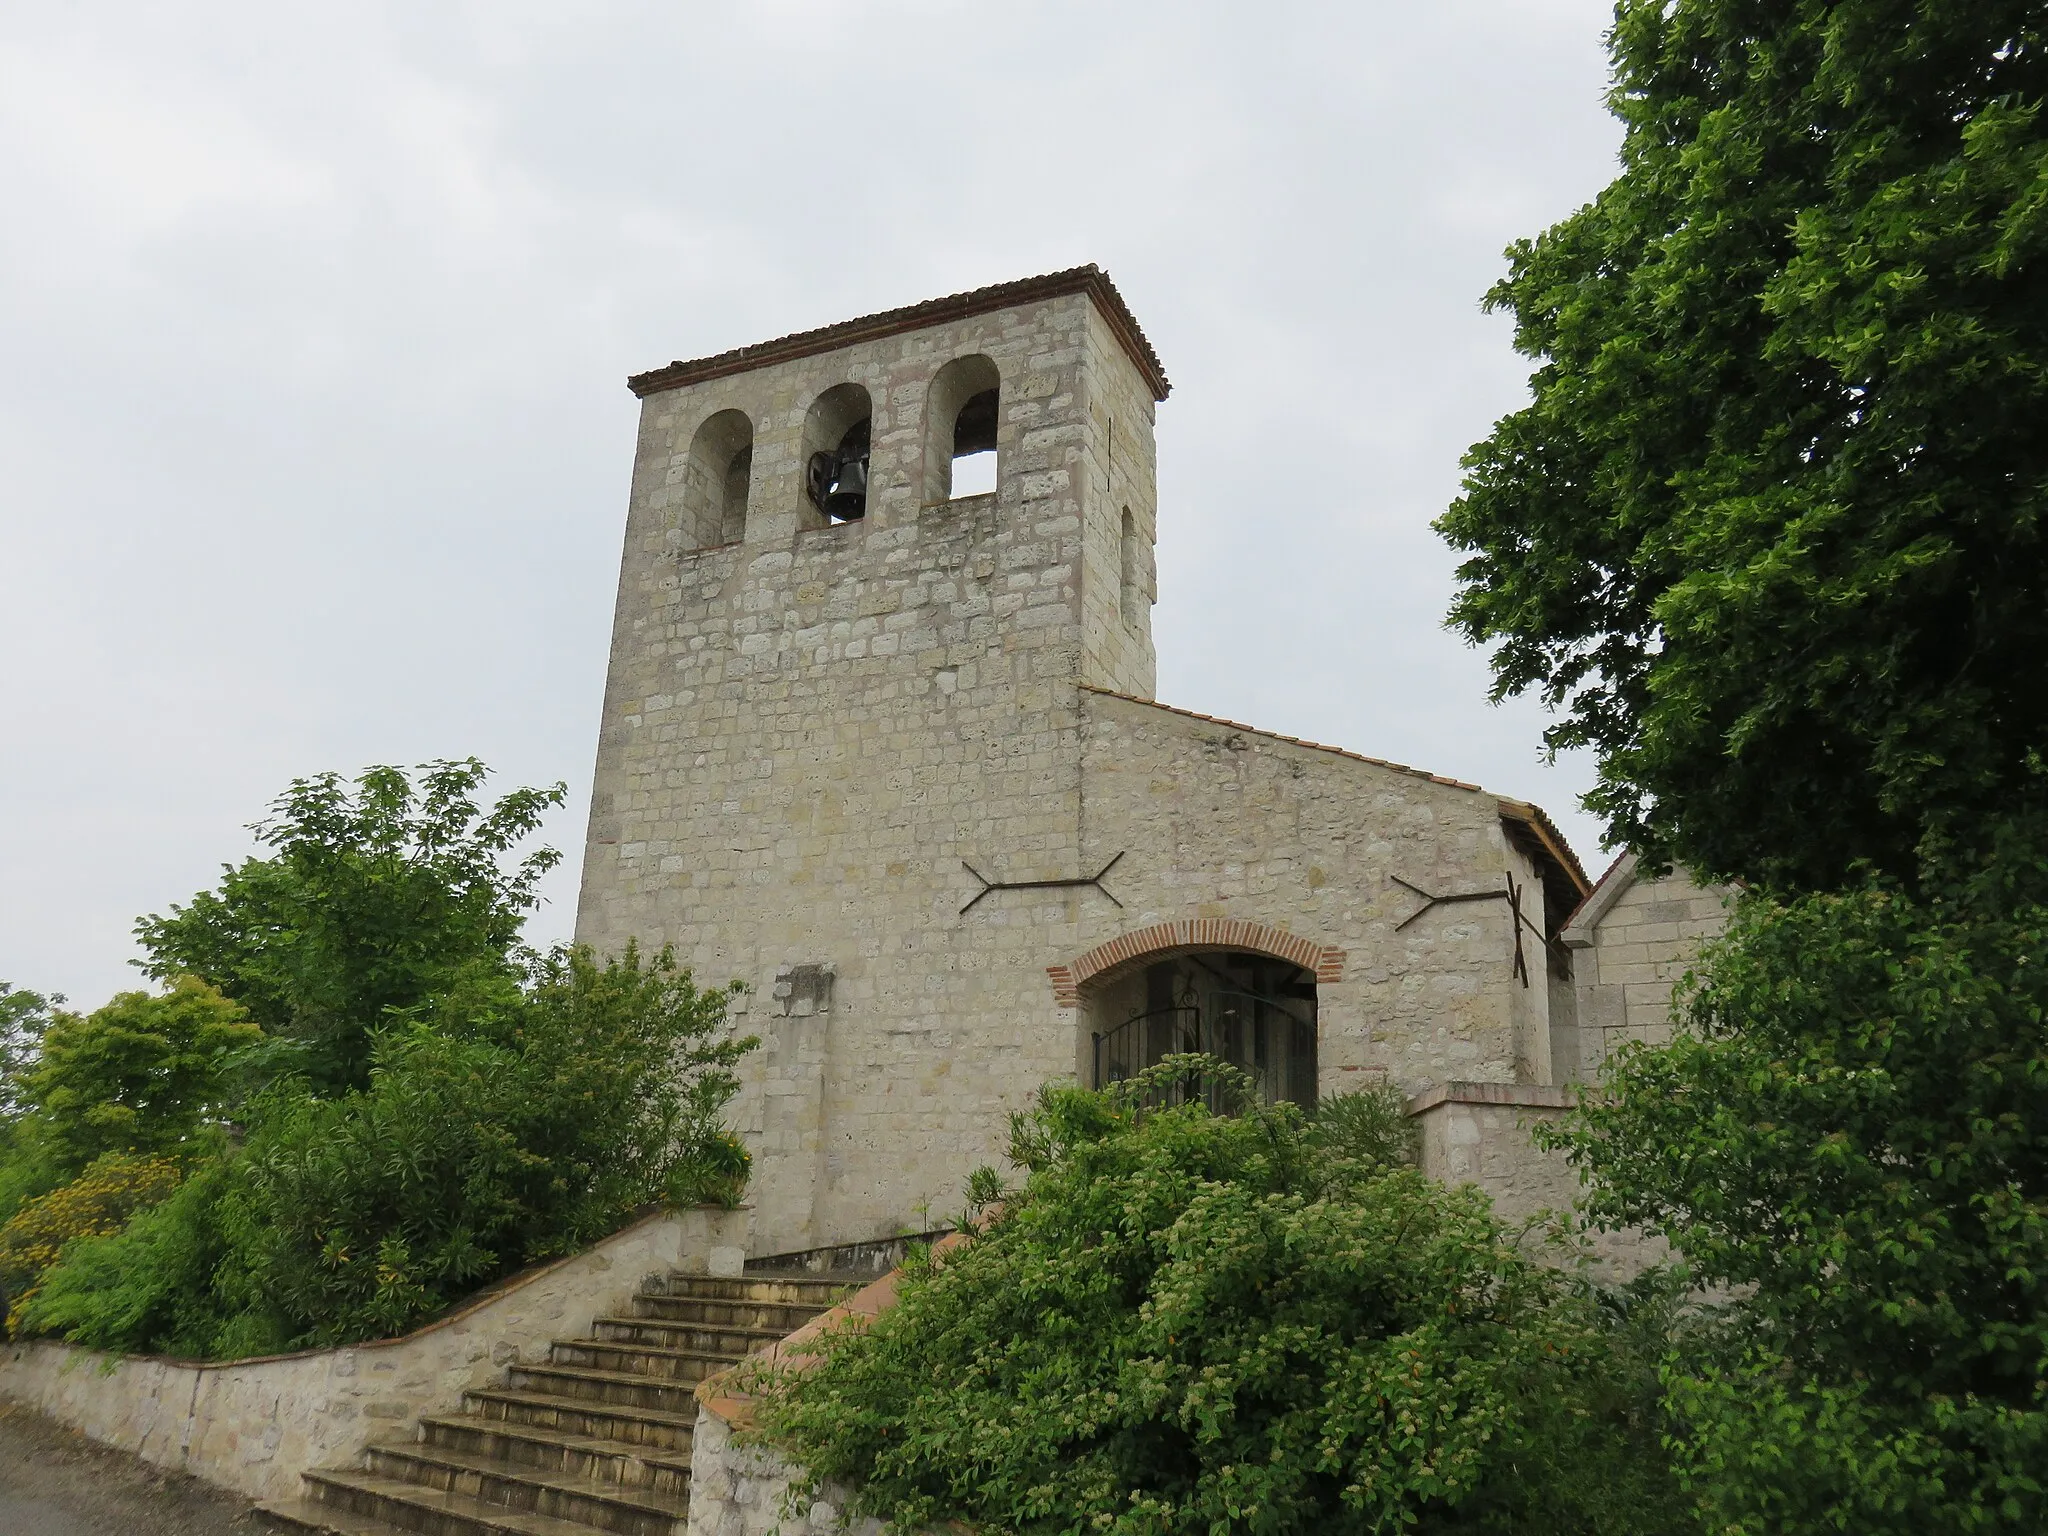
(720, 468)
(963, 409)
(836, 439)
(1256, 1012)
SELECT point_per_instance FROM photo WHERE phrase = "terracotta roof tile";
(1091, 280)
(1548, 833)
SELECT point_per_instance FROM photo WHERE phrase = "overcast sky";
(314, 324)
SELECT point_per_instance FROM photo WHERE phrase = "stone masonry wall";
(820, 741)
(1629, 949)
(1118, 475)
(806, 734)
(746, 1489)
(1483, 1134)
(1218, 821)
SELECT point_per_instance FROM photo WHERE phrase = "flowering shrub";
(95, 1204)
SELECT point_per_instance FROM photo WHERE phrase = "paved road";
(56, 1483)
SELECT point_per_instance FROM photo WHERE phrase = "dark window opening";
(1252, 1011)
(963, 414)
(732, 524)
(974, 430)
(1130, 590)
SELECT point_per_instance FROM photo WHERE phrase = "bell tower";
(841, 671)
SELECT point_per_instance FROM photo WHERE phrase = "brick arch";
(1164, 939)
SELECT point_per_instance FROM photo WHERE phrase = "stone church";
(879, 740)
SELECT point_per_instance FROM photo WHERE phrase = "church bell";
(837, 479)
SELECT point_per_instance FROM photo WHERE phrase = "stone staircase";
(596, 1439)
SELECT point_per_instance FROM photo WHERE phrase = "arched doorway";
(1255, 1011)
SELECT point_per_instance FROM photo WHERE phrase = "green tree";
(514, 1124)
(1852, 1135)
(24, 1174)
(1185, 1322)
(141, 1075)
(1770, 531)
(24, 1015)
(379, 895)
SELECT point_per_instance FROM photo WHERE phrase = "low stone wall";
(744, 1490)
(1480, 1133)
(255, 1425)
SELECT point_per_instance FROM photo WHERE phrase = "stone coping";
(490, 1296)
(1512, 1095)
(1091, 280)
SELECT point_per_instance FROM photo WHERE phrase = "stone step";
(624, 1509)
(621, 1422)
(779, 1317)
(691, 1365)
(317, 1519)
(596, 1440)
(426, 1511)
(703, 1338)
(631, 1389)
(558, 1451)
(805, 1290)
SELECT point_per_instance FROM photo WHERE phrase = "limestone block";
(1480, 1133)
(748, 1490)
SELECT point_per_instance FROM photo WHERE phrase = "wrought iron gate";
(1266, 1036)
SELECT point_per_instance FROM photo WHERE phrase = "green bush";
(1190, 1323)
(1852, 1135)
(99, 1201)
(157, 1285)
(380, 893)
(514, 1125)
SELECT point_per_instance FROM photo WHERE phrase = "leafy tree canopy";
(24, 1015)
(1190, 1323)
(381, 894)
(141, 1075)
(1852, 1135)
(1770, 530)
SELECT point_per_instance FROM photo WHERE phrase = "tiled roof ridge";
(1089, 279)
(1553, 835)
(1297, 741)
